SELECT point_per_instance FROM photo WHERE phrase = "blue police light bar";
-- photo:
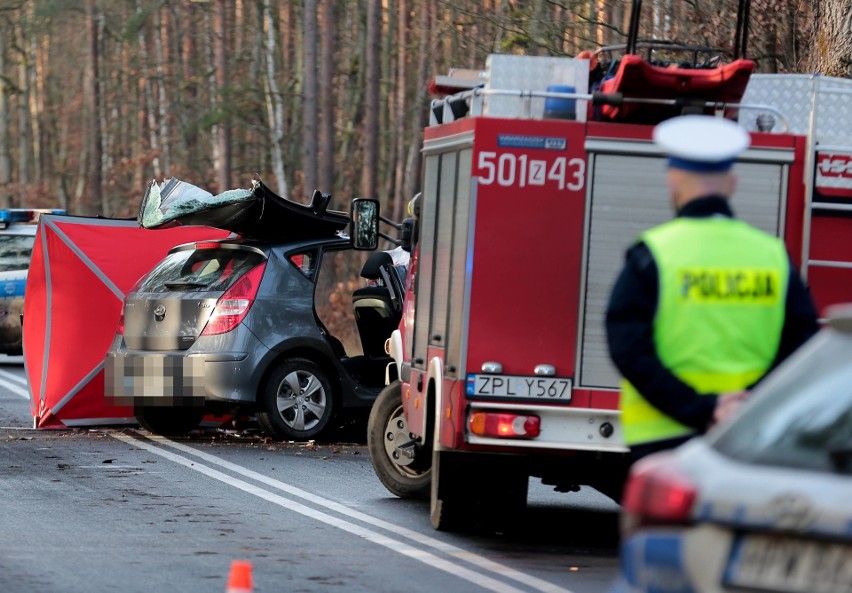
(11, 215)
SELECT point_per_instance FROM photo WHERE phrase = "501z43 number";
(510, 170)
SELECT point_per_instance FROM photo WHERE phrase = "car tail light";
(232, 306)
(656, 493)
(208, 245)
(505, 426)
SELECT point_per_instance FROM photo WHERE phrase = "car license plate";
(788, 564)
(513, 386)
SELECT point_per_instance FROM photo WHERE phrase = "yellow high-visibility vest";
(720, 313)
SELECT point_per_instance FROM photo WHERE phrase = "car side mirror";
(364, 224)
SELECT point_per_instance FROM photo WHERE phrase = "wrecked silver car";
(231, 324)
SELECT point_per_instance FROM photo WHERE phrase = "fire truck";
(533, 190)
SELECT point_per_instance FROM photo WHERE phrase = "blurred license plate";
(541, 388)
(769, 563)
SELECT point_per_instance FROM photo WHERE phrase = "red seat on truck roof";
(639, 79)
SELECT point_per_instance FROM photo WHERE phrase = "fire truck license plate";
(540, 388)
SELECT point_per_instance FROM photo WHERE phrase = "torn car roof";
(256, 213)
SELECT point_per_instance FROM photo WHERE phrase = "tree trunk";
(327, 96)
(162, 94)
(189, 98)
(35, 107)
(213, 101)
(223, 166)
(24, 128)
(274, 105)
(310, 167)
(148, 94)
(400, 118)
(93, 198)
(831, 44)
(421, 104)
(291, 61)
(369, 184)
(388, 134)
(352, 110)
(5, 161)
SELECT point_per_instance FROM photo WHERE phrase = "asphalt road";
(116, 509)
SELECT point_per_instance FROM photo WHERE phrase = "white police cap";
(701, 143)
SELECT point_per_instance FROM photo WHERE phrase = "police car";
(761, 503)
(17, 234)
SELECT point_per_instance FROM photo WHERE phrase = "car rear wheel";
(407, 475)
(297, 402)
(166, 421)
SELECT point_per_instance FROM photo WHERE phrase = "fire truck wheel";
(403, 472)
(450, 507)
(296, 403)
(169, 421)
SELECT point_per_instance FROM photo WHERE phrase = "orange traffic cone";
(239, 580)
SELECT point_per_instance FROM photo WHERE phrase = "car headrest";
(370, 269)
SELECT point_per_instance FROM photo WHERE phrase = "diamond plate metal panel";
(531, 73)
(796, 95)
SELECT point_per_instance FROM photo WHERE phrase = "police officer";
(706, 305)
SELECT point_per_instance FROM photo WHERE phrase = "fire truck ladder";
(826, 209)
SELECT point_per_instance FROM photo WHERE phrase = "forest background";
(97, 97)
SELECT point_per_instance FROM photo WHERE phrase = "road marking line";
(427, 558)
(14, 377)
(449, 549)
(16, 389)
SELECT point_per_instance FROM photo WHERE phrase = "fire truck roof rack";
(473, 103)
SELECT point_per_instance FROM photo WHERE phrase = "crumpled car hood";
(256, 213)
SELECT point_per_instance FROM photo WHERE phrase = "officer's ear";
(732, 184)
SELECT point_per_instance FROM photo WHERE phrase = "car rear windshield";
(200, 270)
(802, 416)
(15, 252)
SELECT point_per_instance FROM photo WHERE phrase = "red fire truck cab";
(523, 223)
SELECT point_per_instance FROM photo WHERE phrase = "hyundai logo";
(791, 511)
(160, 312)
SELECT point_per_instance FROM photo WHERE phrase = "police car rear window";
(15, 252)
(200, 270)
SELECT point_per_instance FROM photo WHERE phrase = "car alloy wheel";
(297, 401)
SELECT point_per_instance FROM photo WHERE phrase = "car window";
(15, 252)
(306, 262)
(200, 270)
(803, 415)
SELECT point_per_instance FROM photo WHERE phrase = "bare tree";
(274, 103)
(5, 161)
(150, 112)
(399, 118)
(309, 94)
(831, 45)
(369, 182)
(223, 168)
(93, 198)
(421, 106)
(24, 135)
(327, 94)
(162, 94)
